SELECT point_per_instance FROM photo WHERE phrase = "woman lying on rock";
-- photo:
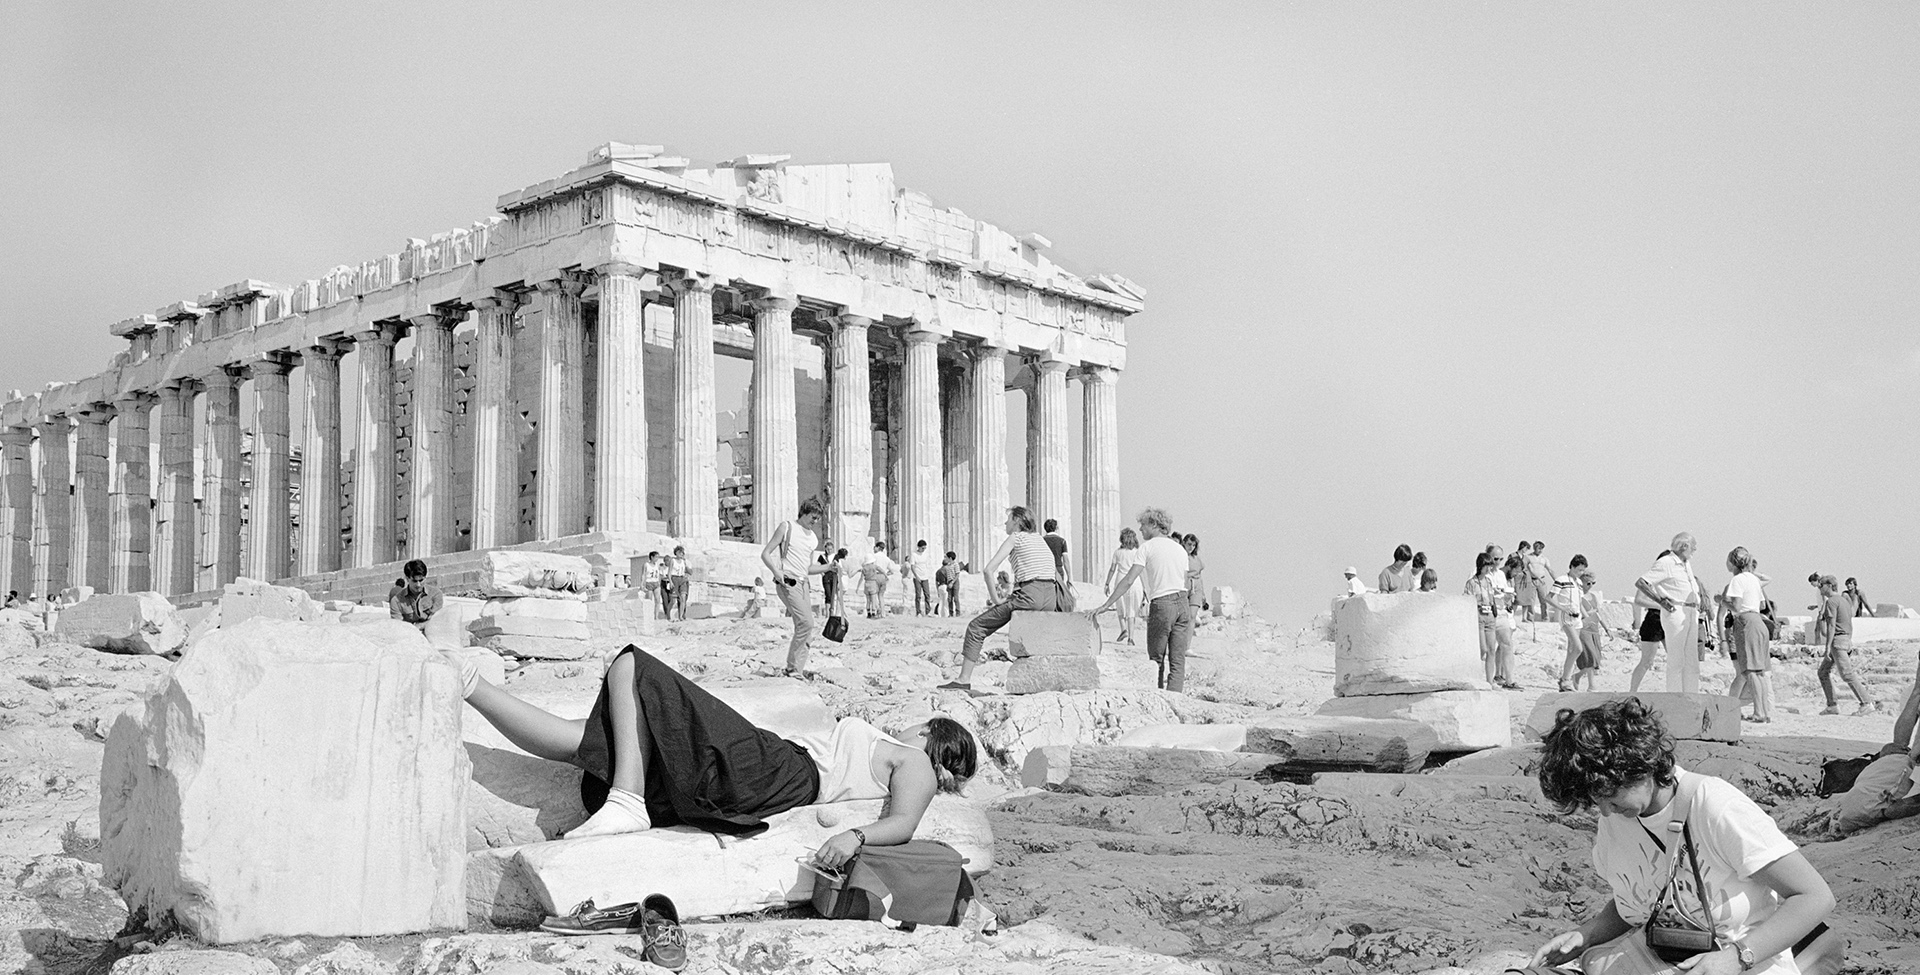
(1689, 858)
(658, 750)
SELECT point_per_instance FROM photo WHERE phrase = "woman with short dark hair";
(1661, 827)
(1036, 586)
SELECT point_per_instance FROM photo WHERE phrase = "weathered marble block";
(537, 647)
(1406, 643)
(244, 599)
(1317, 743)
(707, 874)
(1465, 720)
(139, 622)
(552, 629)
(1695, 717)
(1120, 770)
(1031, 675)
(1042, 634)
(292, 778)
(553, 609)
(1207, 737)
(541, 574)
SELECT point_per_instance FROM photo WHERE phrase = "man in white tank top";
(789, 556)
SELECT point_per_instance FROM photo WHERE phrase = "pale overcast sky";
(1441, 273)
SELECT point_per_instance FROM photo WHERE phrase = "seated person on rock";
(411, 599)
(659, 750)
(1881, 790)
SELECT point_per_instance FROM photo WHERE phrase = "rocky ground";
(1234, 878)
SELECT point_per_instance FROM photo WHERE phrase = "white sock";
(624, 812)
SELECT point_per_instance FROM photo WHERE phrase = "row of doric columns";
(120, 523)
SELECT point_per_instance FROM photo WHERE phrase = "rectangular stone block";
(1120, 770)
(291, 778)
(1406, 643)
(244, 599)
(1465, 721)
(1042, 634)
(1030, 675)
(140, 622)
(538, 647)
(487, 626)
(1688, 717)
(542, 574)
(552, 609)
(1207, 737)
(1336, 744)
(732, 875)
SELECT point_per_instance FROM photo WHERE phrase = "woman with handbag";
(789, 555)
(1703, 881)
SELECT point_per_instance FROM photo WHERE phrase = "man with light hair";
(1162, 570)
(1668, 599)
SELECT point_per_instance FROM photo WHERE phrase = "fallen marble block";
(1207, 737)
(139, 622)
(1041, 634)
(21, 618)
(709, 874)
(1688, 717)
(1510, 787)
(546, 575)
(1465, 720)
(244, 599)
(552, 629)
(1031, 675)
(552, 609)
(1332, 744)
(537, 647)
(1406, 643)
(291, 778)
(1119, 770)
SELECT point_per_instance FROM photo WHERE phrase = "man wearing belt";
(1162, 570)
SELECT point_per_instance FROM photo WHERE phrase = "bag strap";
(1699, 881)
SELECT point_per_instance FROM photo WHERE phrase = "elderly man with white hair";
(1668, 599)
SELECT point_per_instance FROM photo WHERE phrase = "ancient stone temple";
(546, 379)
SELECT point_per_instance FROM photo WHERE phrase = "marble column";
(320, 459)
(88, 563)
(220, 491)
(560, 490)
(270, 528)
(776, 451)
(1099, 469)
(53, 496)
(988, 490)
(176, 520)
(430, 509)
(374, 502)
(956, 410)
(696, 475)
(490, 412)
(1049, 488)
(850, 437)
(922, 461)
(131, 518)
(16, 510)
(620, 421)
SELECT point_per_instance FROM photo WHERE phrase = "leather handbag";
(1674, 943)
(835, 628)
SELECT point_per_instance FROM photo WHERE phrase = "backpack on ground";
(1838, 775)
(916, 882)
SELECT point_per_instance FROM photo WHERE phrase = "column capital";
(624, 269)
(682, 281)
(376, 334)
(223, 377)
(276, 363)
(1095, 373)
(442, 316)
(562, 283)
(16, 436)
(329, 348)
(136, 399)
(921, 336)
(51, 421)
(849, 320)
(984, 351)
(98, 413)
(498, 300)
(179, 386)
(773, 303)
(1051, 365)
(182, 311)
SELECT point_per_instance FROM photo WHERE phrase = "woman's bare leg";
(536, 732)
(1640, 669)
(630, 740)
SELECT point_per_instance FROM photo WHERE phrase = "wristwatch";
(861, 835)
(1744, 953)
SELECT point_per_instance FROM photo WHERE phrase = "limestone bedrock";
(292, 778)
(1406, 643)
(1054, 672)
(709, 874)
(1688, 717)
(138, 622)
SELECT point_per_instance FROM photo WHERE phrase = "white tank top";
(845, 760)
(798, 554)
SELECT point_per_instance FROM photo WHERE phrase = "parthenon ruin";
(547, 378)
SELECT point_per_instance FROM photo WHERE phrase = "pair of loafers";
(655, 919)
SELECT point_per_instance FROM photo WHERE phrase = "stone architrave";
(734, 877)
(989, 490)
(1120, 770)
(1100, 469)
(53, 507)
(696, 476)
(176, 523)
(1054, 672)
(1329, 744)
(220, 502)
(1464, 720)
(137, 622)
(956, 410)
(16, 509)
(88, 560)
(374, 502)
(620, 422)
(490, 414)
(922, 461)
(320, 459)
(1048, 490)
(850, 447)
(560, 489)
(430, 510)
(131, 518)
(270, 534)
(1688, 717)
(776, 450)
(201, 821)
(1406, 643)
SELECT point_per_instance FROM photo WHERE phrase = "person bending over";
(659, 750)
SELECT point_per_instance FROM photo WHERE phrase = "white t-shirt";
(1734, 838)
(1671, 578)
(1163, 567)
(923, 564)
(1743, 593)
